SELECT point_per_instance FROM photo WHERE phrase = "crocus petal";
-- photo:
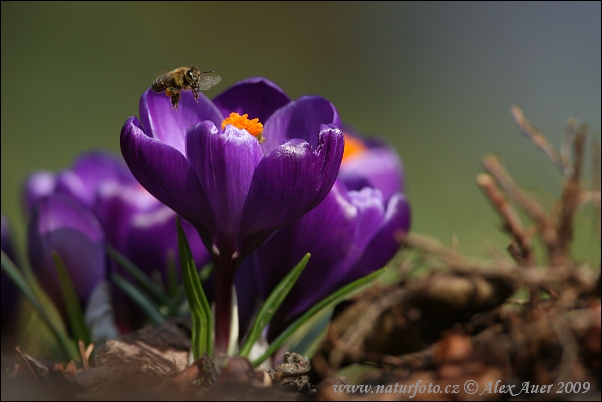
(37, 185)
(114, 207)
(165, 173)
(378, 167)
(302, 119)
(257, 97)
(170, 126)
(386, 242)
(288, 182)
(67, 182)
(89, 171)
(97, 166)
(224, 163)
(60, 223)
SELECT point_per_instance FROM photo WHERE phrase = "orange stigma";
(353, 146)
(253, 127)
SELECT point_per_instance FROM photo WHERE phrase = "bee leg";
(175, 97)
(195, 92)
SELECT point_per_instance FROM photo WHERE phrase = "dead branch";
(532, 207)
(523, 255)
(539, 139)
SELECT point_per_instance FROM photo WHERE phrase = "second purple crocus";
(353, 232)
(134, 222)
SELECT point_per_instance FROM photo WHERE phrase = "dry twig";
(523, 255)
(538, 139)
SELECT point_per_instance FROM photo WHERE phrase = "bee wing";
(207, 80)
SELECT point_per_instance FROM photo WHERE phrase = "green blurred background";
(435, 79)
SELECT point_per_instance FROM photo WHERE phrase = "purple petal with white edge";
(165, 173)
(82, 180)
(169, 126)
(287, 183)
(97, 166)
(37, 185)
(257, 97)
(67, 182)
(114, 207)
(378, 167)
(224, 163)
(302, 118)
(62, 224)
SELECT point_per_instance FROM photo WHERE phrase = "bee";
(184, 78)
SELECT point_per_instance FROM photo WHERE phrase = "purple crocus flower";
(62, 224)
(352, 233)
(215, 173)
(10, 294)
(134, 222)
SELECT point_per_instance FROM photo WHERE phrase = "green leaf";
(75, 315)
(327, 302)
(16, 276)
(270, 306)
(142, 299)
(202, 322)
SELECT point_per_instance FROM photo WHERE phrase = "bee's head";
(192, 76)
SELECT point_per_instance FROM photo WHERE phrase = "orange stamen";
(353, 146)
(253, 127)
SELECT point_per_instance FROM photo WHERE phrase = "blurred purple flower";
(353, 232)
(234, 190)
(133, 221)
(10, 293)
(60, 223)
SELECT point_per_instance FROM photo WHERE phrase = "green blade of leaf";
(140, 298)
(202, 323)
(270, 306)
(149, 286)
(16, 276)
(328, 301)
(75, 315)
